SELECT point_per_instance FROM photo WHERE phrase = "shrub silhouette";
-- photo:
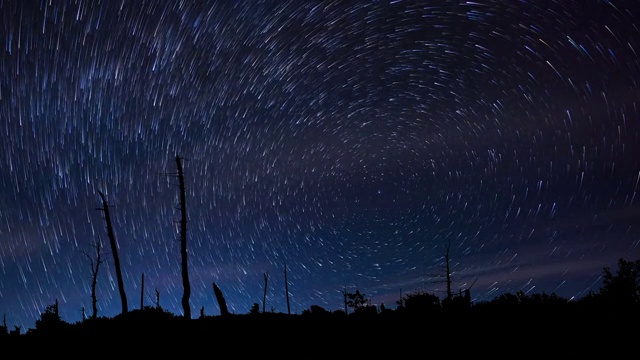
(50, 321)
(421, 303)
(255, 309)
(316, 310)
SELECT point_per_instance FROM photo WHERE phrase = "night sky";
(350, 140)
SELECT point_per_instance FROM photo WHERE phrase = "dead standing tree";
(183, 240)
(222, 303)
(344, 294)
(142, 293)
(448, 274)
(114, 251)
(95, 266)
(436, 278)
(264, 296)
(463, 297)
(157, 299)
(286, 288)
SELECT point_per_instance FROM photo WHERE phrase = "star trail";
(350, 140)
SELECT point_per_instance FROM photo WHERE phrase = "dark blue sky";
(350, 140)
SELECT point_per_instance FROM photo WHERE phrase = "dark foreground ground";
(513, 334)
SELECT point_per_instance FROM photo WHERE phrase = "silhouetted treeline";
(604, 321)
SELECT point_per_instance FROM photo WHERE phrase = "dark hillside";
(503, 332)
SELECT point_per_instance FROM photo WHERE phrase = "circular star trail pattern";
(349, 141)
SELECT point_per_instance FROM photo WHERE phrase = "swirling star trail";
(350, 140)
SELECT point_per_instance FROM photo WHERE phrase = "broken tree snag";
(222, 303)
(114, 251)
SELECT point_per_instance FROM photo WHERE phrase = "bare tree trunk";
(157, 299)
(114, 250)
(142, 293)
(344, 293)
(447, 246)
(183, 243)
(222, 303)
(286, 287)
(95, 266)
(264, 296)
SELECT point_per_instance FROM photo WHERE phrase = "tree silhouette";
(95, 266)
(439, 277)
(16, 331)
(114, 251)
(357, 301)
(623, 287)
(142, 293)
(222, 303)
(448, 273)
(255, 309)
(286, 289)
(157, 299)
(264, 295)
(508, 300)
(316, 310)
(50, 320)
(345, 300)
(183, 242)
(186, 294)
(4, 331)
(421, 302)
